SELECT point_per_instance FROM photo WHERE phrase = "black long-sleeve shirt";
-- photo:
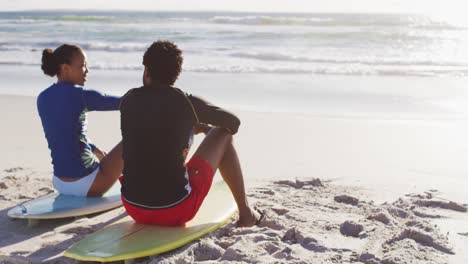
(157, 129)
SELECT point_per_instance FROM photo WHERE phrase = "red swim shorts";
(200, 177)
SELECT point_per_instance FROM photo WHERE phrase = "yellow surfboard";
(126, 239)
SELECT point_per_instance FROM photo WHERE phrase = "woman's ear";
(64, 69)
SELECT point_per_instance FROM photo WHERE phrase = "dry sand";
(390, 191)
(308, 221)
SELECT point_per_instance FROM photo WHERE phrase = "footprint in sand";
(4, 198)
(422, 238)
(272, 224)
(285, 253)
(280, 210)
(368, 258)
(299, 184)
(268, 192)
(242, 231)
(312, 244)
(422, 214)
(419, 225)
(295, 236)
(47, 190)
(426, 195)
(208, 250)
(79, 230)
(237, 251)
(14, 169)
(380, 217)
(397, 212)
(350, 228)
(442, 204)
(270, 246)
(346, 199)
(226, 242)
(273, 233)
(24, 197)
(290, 235)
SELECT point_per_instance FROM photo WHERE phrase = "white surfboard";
(55, 205)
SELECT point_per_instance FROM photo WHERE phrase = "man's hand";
(201, 128)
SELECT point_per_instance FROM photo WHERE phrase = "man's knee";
(221, 133)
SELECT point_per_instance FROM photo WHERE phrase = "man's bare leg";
(218, 150)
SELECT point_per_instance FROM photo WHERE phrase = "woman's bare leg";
(110, 169)
(218, 150)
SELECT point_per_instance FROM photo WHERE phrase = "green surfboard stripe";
(126, 239)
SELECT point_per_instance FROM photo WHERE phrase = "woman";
(80, 168)
(158, 122)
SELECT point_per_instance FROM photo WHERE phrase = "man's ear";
(146, 76)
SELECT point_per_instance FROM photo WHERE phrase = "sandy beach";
(353, 135)
(335, 190)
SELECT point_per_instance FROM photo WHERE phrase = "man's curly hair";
(163, 60)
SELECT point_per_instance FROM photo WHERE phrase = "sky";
(445, 7)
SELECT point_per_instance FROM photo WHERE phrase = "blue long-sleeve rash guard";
(62, 108)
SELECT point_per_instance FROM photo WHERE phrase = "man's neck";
(157, 84)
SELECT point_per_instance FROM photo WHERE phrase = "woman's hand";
(99, 153)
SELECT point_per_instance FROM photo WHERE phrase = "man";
(158, 122)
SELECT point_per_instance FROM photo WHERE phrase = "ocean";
(346, 44)
(278, 48)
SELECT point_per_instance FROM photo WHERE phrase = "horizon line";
(208, 11)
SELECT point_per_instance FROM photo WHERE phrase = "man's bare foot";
(250, 218)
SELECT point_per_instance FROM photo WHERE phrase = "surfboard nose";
(23, 209)
(17, 210)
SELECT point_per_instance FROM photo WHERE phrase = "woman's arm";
(96, 101)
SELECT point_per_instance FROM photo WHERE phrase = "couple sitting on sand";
(158, 122)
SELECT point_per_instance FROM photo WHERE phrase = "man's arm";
(214, 115)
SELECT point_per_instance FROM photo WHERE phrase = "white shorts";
(77, 188)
